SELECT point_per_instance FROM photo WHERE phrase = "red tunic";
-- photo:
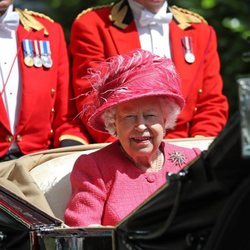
(206, 109)
(46, 114)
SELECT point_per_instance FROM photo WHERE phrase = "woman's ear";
(115, 130)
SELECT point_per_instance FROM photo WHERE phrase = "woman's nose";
(140, 123)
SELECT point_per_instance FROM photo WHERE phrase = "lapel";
(177, 50)
(186, 70)
(123, 28)
(23, 116)
(126, 39)
(29, 28)
(4, 118)
(183, 26)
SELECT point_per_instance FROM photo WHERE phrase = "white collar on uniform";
(136, 8)
(145, 17)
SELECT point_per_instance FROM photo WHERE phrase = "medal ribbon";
(44, 47)
(36, 48)
(187, 44)
(28, 48)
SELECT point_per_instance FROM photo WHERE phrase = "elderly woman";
(137, 99)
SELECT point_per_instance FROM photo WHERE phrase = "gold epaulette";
(93, 8)
(28, 20)
(185, 17)
(118, 14)
(39, 15)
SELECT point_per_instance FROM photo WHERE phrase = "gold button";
(53, 91)
(18, 138)
(52, 110)
(200, 91)
(195, 109)
(9, 138)
(52, 131)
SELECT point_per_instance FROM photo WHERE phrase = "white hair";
(170, 110)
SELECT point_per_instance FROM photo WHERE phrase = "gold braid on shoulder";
(118, 14)
(93, 8)
(28, 20)
(185, 17)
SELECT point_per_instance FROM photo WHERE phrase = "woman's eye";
(129, 117)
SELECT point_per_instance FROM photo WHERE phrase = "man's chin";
(3, 8)
(4, 4)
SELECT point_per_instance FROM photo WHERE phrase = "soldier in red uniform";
(169, 31)
(35, 107)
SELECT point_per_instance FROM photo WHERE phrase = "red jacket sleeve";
(86, 48)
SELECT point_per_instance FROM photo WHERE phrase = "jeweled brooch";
(177, 158)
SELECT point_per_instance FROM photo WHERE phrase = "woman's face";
(151, 5)
(140, 126)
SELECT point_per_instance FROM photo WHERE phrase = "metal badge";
(189, 57)
(177, 158)
(46, 60)
(45, 53)
(28, 61)
(188, 49)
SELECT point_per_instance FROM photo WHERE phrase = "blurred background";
(230, 18)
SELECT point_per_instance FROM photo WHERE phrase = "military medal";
(177, 158)
(189, 57)
(188, 54)
(45, 54)
(28, 52)
(37, 59)
(28, 61)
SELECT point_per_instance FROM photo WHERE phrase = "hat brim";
(96, 120)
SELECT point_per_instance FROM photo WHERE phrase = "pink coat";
(106, 186)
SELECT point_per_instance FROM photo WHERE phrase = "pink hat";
(122, 78)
